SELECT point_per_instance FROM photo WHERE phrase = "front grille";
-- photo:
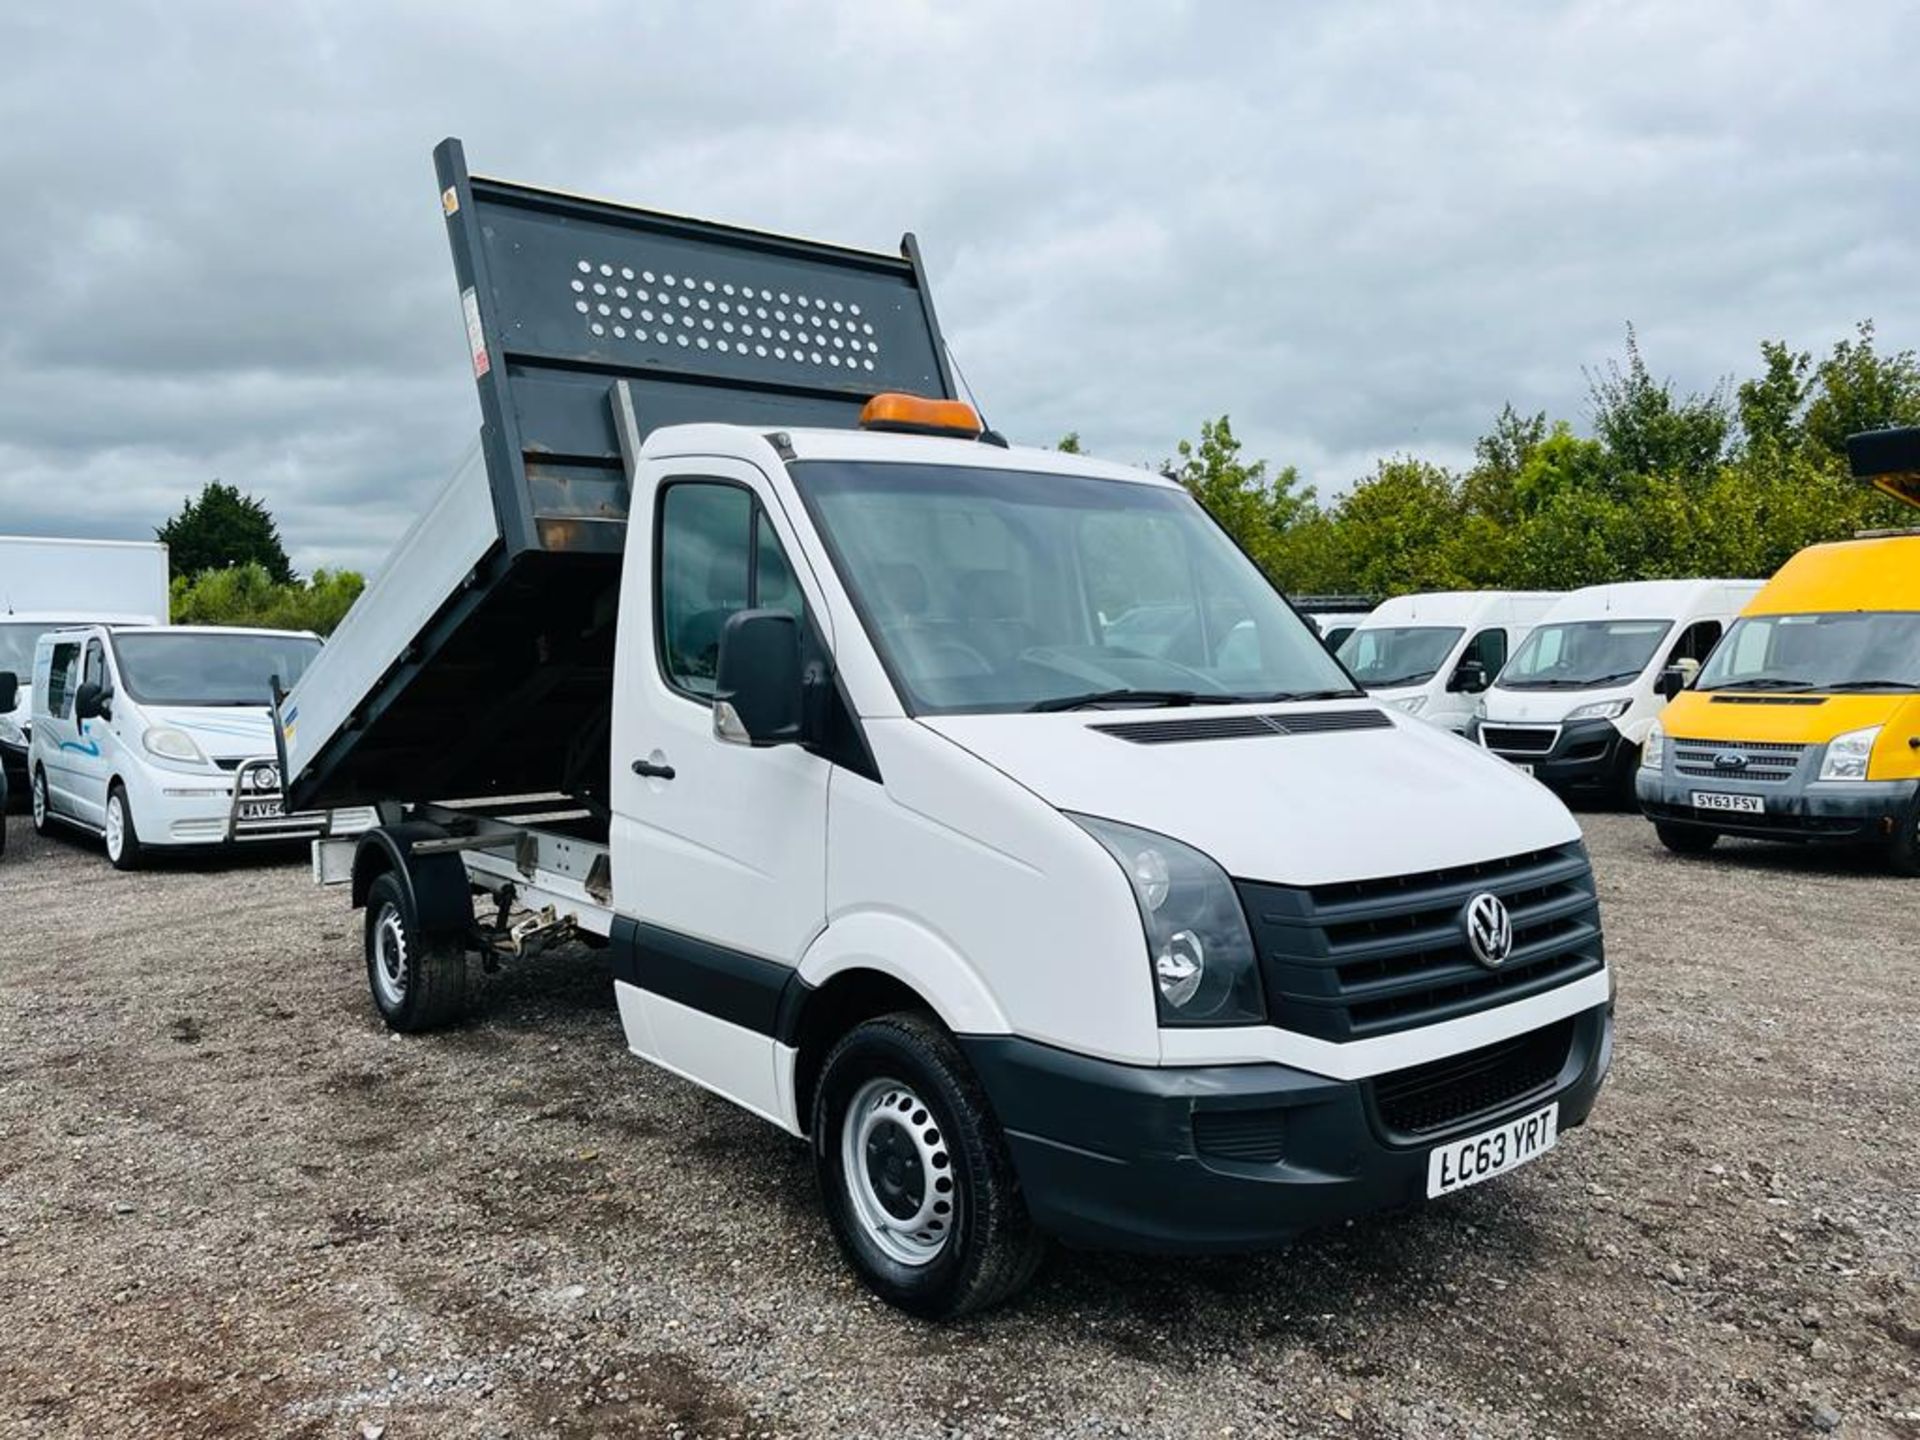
(1462, 1088)
(1254, 1135)
(1345, 962)
(1190, 728)
(1519, 739)
(1767, 762)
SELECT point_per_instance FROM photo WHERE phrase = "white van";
(1575, 702)
(1432, 655)
(152, 736)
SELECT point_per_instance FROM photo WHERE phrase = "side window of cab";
(1695, 644)
(63, 679)
(716, 555)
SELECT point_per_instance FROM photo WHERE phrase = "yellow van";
(1804, 724)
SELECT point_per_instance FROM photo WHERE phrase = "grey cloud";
(1359, 230)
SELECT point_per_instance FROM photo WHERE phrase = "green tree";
(1070, 443)
(223, 528)
(1255, 509)
(1650, 430)
(1856, 389)
(249, 595)
(1771, 404)
(1400, 529)
(1500, 456)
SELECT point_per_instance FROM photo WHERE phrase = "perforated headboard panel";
(564, 295)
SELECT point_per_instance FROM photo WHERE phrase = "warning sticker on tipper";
(450, 200)
(476, 337)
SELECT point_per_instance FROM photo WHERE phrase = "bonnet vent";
(1239, 727)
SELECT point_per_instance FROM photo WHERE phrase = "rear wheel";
(42, 817)
(1903, 856)
(1686, 839)
(916, 1176)
(418, 982)
(123, 841)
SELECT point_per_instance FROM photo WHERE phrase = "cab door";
(91, 754)
(56, 734)
(719, 850)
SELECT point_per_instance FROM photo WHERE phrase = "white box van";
(1030, 929)
(1433, 655)
(1575, 702)
(156, 736)
(47, 584)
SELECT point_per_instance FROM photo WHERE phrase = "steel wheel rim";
(116, 826)
(898, 1173)
(390, 957)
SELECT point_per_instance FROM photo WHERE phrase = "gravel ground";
(232, 1204)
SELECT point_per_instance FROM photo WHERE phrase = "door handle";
(652, 771)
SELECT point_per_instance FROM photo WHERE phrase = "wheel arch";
(435, 885)
(870, 965)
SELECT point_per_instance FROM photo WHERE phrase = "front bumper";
(1232, 1158)
(1835, 812)
(1577, 755)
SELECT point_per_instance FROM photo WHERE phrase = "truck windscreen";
(1848, 651)
(210, 669)
(999, 590)
(1580, 654)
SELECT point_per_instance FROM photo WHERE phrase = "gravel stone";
(319, 1217)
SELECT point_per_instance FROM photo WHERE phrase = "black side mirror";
(1469, 677)
(1672, 681)
(93, 701)
(9, 690)
(759, 692)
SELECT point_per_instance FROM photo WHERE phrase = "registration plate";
(1522, 766)
(262, 809)
(1460, 1163)
(1743, 804)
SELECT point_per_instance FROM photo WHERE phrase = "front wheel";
(915, 1173)
(42, 816)
(419, 982)
(123, 841)
(1685, 839)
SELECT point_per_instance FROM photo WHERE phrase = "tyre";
(1685, 839)
(123, 841)
(915, 1173)
(418, 982)
(42, 814)
(1903, 856)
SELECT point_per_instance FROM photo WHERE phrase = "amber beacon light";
(917, 415)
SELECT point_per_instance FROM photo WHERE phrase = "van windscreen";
(1843, 651)
(1384, 657)
(1584, 654)
(211, 669)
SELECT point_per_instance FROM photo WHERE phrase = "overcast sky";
(1359, 230)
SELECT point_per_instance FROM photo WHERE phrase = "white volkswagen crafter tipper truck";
(745, 652)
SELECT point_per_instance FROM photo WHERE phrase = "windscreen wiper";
(1397, 681)
(1295, 695)
(1763, 682)
(1094, 698)
(1846, 685)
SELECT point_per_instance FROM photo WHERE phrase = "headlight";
(1848, 754)
(1600, 710)
(1653, 751)
(171, 744)
(1413, 704)
(1203, 965)
(1479, 709)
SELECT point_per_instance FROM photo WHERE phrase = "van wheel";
(418, 983)
(123, 841)
(1903, 856)
(42, 816)
(916, 1176)
(1686, 839)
